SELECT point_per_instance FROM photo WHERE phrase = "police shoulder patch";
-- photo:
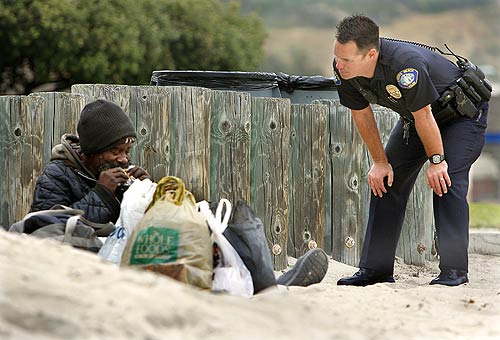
(407, 78)
(336, 78)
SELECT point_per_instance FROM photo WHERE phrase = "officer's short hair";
(360, 29)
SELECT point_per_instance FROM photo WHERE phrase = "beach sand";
(53, 291)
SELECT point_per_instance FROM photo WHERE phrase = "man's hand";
(438, 178)
(138, 172)
(111, 178)
(376, 175)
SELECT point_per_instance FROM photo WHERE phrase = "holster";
(463, 97)
(444, 113)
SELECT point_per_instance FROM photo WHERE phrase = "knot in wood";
(225, 126)
(337, 148)
(306, 236)
(354, 182)
(277, 228)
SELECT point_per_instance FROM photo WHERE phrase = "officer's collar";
(379, 72)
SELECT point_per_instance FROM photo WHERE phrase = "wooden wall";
(302, 168)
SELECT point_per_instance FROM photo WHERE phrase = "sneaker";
(310, 268)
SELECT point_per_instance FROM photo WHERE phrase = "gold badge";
(393, 91)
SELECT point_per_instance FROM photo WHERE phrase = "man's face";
(351, 62)
(117, 156)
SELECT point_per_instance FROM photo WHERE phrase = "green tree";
(90, 41)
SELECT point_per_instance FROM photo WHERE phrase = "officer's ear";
(372, 53)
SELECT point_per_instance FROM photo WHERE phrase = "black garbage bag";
(290, 83)
(246, 234)
(217, 80)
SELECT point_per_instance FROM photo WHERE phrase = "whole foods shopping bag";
(172, 238)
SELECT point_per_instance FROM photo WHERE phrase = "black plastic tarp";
(242, 81)
(218, 80)
(290, 83)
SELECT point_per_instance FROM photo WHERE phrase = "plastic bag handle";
(216, 223)
(227, 215)
(171, 188)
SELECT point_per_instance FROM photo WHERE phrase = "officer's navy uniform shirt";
(416, 76)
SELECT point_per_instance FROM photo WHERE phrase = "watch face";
(436, 159)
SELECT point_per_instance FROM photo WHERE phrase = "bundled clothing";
(65, 180)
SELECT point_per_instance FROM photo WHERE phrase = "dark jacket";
(65, 180)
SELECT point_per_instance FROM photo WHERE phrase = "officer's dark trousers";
(463, 141)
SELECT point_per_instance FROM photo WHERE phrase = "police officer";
(421, 85)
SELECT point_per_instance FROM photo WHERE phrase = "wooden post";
(189, 126)
(269, 172)
(61, 114)
(230, 116)
(307, 177)
(118, 94)
(150, 105)
(21, 143)
(343, 228)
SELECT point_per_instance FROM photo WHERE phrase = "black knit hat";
(102, 124)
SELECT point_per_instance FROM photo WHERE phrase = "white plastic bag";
(230, 275)
(134, 203)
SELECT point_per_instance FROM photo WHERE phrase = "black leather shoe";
(364, 277)
(451, 277)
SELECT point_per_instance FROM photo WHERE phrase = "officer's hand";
(112, 177)
(438, 179)
(138, 172)
(378, 172)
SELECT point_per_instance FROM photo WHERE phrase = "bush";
(122, 41)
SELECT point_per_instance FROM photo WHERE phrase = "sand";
(52, 291)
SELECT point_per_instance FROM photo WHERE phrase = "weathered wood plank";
(416, 240)
(61, 114)
(118, 94)
(343, 193)
(307, 178)
(150, 106)
(21, 157)
(190, 138)
(7, 146)
(230, 116)
(269, 172)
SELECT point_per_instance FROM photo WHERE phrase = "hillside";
(306, 47)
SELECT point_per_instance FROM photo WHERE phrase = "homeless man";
(89, 171)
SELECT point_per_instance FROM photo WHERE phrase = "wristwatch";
(436, 158)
